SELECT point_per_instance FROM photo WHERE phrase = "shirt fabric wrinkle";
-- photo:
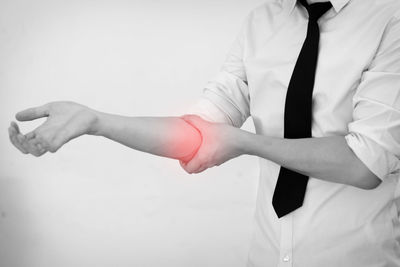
(361, 61)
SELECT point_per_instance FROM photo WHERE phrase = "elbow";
(190, 140)
(365, 179)
(362, 176)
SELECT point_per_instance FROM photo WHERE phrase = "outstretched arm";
(169, 137)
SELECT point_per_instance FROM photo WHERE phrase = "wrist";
(241, 141)
(95, 123)
(249, 143)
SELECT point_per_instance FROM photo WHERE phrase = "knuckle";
(39, 155)
(40, 136)
(190, 170)
(52, 149)
(45, 146)
(196, 169)
(46, 139)
(202, 159)
(201, 168)
(56, 147)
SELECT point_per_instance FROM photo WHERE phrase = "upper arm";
(225, 99)
(374, 134)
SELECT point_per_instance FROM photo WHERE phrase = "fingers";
(189, 169)
(33, 113)
(197, 164)
(20, 138)
(194, 120)
(24, 144)
(30, 135)
(13, 138)
(200, 169)
(39, 150)
(35, 147)
(194, 166)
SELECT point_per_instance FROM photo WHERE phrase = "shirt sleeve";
(374, 133)
(225, 99)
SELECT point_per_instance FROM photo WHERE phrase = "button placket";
(286, 241)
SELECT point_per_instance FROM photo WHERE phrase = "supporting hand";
(65, 121)
(220, 143)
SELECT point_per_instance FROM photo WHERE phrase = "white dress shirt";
(356, 95)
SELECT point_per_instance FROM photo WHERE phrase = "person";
(348, 215)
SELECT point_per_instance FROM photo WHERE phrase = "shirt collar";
(337, 4)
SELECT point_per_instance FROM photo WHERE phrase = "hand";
(65, 121)
(219, 144)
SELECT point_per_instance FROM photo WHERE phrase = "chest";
(346, 48)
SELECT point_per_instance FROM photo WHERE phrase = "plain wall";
(95, 202)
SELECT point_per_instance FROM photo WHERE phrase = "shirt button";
(286, 258)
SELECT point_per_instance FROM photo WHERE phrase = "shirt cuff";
(208, 111)
(229, 94)
(379, 161)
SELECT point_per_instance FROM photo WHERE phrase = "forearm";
(326, 158)
(169, 137)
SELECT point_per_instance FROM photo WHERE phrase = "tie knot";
(316, 10)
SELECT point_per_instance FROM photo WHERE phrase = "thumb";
(32, 113)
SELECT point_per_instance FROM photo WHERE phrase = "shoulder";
(269, 9)
(387, 8)
(271, 6)
(390, 11)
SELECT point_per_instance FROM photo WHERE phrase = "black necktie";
(291, 186)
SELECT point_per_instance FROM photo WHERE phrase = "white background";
(95, 202)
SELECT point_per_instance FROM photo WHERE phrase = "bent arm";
(325, 158)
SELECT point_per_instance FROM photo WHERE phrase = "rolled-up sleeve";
(374, 133)
(225, 99)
